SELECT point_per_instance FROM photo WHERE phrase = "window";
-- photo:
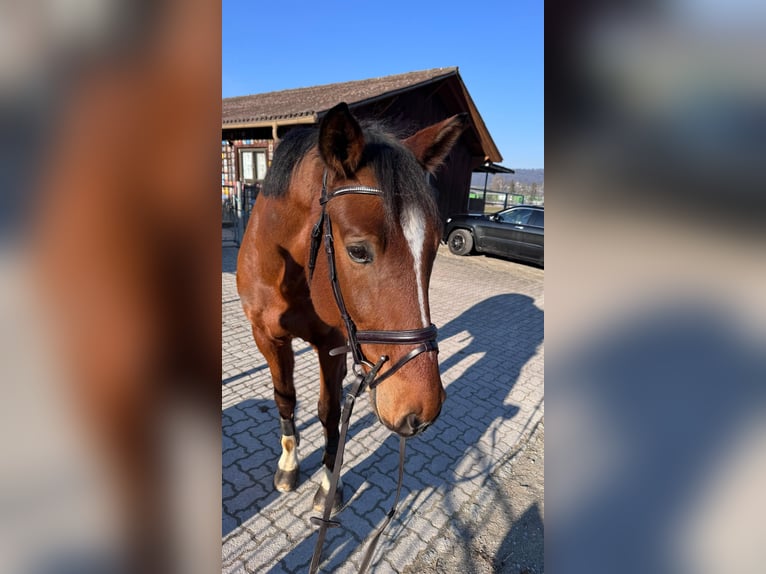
(252, 165)
(538, 218)
(516, 216)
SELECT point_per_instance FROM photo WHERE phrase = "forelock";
(399, 175)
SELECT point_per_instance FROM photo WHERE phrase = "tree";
(536, 193)
(497, 183)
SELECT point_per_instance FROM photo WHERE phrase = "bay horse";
(369, 296)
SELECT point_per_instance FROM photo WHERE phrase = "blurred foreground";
(109, 287)
(655, 283)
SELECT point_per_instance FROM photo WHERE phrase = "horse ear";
(341, 141)
(432, 144)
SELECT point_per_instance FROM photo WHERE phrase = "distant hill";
(528, 176)
(523, 176)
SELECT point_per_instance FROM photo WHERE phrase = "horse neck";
(299, 210)
(306, 185)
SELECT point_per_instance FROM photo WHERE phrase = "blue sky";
(497, 45)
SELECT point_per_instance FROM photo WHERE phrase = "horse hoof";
(286, 480)
(320, 499)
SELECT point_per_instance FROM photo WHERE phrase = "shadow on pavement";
(506, 331)
(501, 333)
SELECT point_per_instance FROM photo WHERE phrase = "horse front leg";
(281, 360)
(333, 371)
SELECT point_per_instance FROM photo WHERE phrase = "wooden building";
(252, 126)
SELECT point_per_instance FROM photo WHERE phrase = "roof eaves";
(309, 117)
(493, 154)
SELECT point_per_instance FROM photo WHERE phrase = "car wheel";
(460, 242)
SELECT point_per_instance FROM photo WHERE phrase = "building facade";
(252, 126)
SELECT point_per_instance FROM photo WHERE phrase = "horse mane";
(398, 173)
(288, 154)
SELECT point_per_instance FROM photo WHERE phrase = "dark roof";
(307, 105)
(489, 167)
(309, 102)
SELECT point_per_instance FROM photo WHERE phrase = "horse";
(367, 191)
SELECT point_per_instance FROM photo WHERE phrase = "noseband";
(424, 339)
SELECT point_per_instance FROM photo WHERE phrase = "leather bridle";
(424, 338)
(367, 372)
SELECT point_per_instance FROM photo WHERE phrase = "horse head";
(384, 248)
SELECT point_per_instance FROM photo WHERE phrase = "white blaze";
(414, 232)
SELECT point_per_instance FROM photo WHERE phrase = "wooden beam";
(311, 119)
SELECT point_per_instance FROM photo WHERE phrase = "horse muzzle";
(410, 424)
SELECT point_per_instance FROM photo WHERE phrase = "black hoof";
(286, 480)
(320, 499)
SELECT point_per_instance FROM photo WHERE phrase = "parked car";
(516, 232)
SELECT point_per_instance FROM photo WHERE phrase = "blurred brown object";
(125, 240)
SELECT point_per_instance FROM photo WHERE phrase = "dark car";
(516, 232)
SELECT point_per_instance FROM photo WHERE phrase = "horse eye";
(359, 253)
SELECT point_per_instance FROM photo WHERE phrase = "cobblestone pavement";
(490, 317)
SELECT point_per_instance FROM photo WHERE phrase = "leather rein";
(366, 372)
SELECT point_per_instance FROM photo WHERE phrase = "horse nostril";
(411, 425)
(413, 422)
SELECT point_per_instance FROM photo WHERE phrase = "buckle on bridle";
(370, 375)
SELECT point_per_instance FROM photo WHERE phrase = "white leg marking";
(413, 228)
(289, 459)
(326, 476)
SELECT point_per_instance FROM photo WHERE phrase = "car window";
(538, 219)
(515, 216)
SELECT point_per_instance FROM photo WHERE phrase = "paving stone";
(267, 551)
(493, 372)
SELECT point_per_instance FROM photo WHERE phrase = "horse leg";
(279, 355)
(333, 371)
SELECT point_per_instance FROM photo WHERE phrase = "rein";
(424, 340)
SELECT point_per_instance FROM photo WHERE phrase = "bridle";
(367, 372)
(424, 339)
